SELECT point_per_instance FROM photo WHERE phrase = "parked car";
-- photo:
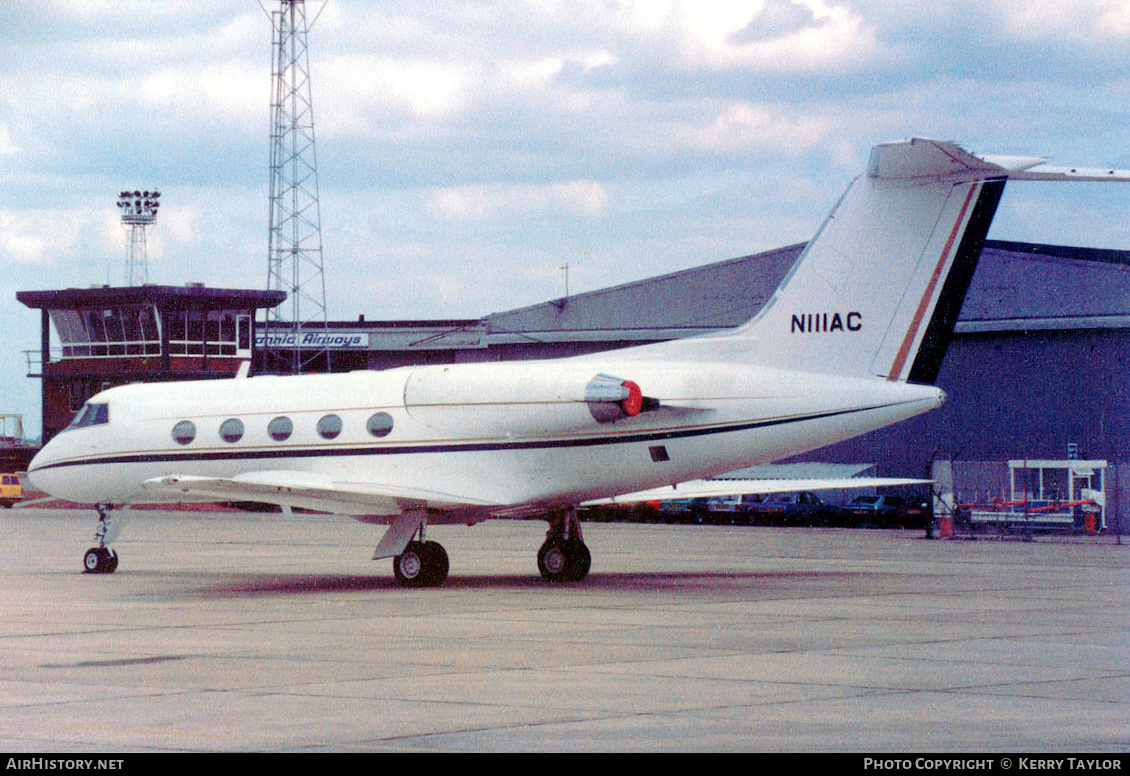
(685, 510)
(799, 508)
(733, 510)
(918, 512)
(884, 511)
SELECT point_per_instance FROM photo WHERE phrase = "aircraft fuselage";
(498, 435)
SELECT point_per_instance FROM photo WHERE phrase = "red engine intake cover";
(634, 403)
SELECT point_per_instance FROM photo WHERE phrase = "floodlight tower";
(139, 210)
(295, 242)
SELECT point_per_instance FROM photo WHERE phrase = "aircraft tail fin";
(879, 289)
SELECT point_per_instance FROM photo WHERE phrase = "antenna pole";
(295, 239)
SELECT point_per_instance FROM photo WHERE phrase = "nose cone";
(38, 472)
(52, 470)
(68, 467)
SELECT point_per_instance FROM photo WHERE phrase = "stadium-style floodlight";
(139, 207)
(139, 210)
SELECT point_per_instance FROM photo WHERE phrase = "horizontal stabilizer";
(1047, 172)
(922, 158)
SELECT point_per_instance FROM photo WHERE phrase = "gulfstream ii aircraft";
(850, 342)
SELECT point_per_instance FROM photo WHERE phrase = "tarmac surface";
(250, 632)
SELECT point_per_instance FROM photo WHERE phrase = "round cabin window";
(329, 427)
(184, 432)
(231, 430)
(380, 425)
(280, 429)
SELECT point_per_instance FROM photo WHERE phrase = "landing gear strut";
(564, 557)
(101, 559)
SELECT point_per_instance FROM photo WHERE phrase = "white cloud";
(765, 128)
(427, 88)
(505, 201)
(777, 19)
(7, 144)
(1074, 20)
(59, 237)
(355, 93)
(21, 248)
(757, 34)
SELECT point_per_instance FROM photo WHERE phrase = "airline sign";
(331, 339)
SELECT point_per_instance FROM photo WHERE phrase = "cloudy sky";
(468, 150)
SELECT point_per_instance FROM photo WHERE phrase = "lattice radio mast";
(295, 242)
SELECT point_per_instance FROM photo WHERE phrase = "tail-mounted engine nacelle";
(611, 399)
(513, 400)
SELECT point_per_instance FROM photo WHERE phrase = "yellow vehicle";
(11, 490)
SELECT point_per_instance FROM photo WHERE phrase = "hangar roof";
(693, 301)
(1020, 286)
(1017, 286)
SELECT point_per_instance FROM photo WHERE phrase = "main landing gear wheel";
(564, 557)
(100, 560)
(421, 564)
(564, 560)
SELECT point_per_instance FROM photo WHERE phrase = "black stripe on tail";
(939, 332)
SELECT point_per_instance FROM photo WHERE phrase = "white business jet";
(850, 342)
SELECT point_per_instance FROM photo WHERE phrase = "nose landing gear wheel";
(100, 560)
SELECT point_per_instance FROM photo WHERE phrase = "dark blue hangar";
(1035, 367)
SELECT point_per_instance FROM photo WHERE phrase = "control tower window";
(192, 332)
(108, 332)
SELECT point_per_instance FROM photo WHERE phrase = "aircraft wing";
(713, 488)
(307, 490)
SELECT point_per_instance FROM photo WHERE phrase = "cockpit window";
(91, 415)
